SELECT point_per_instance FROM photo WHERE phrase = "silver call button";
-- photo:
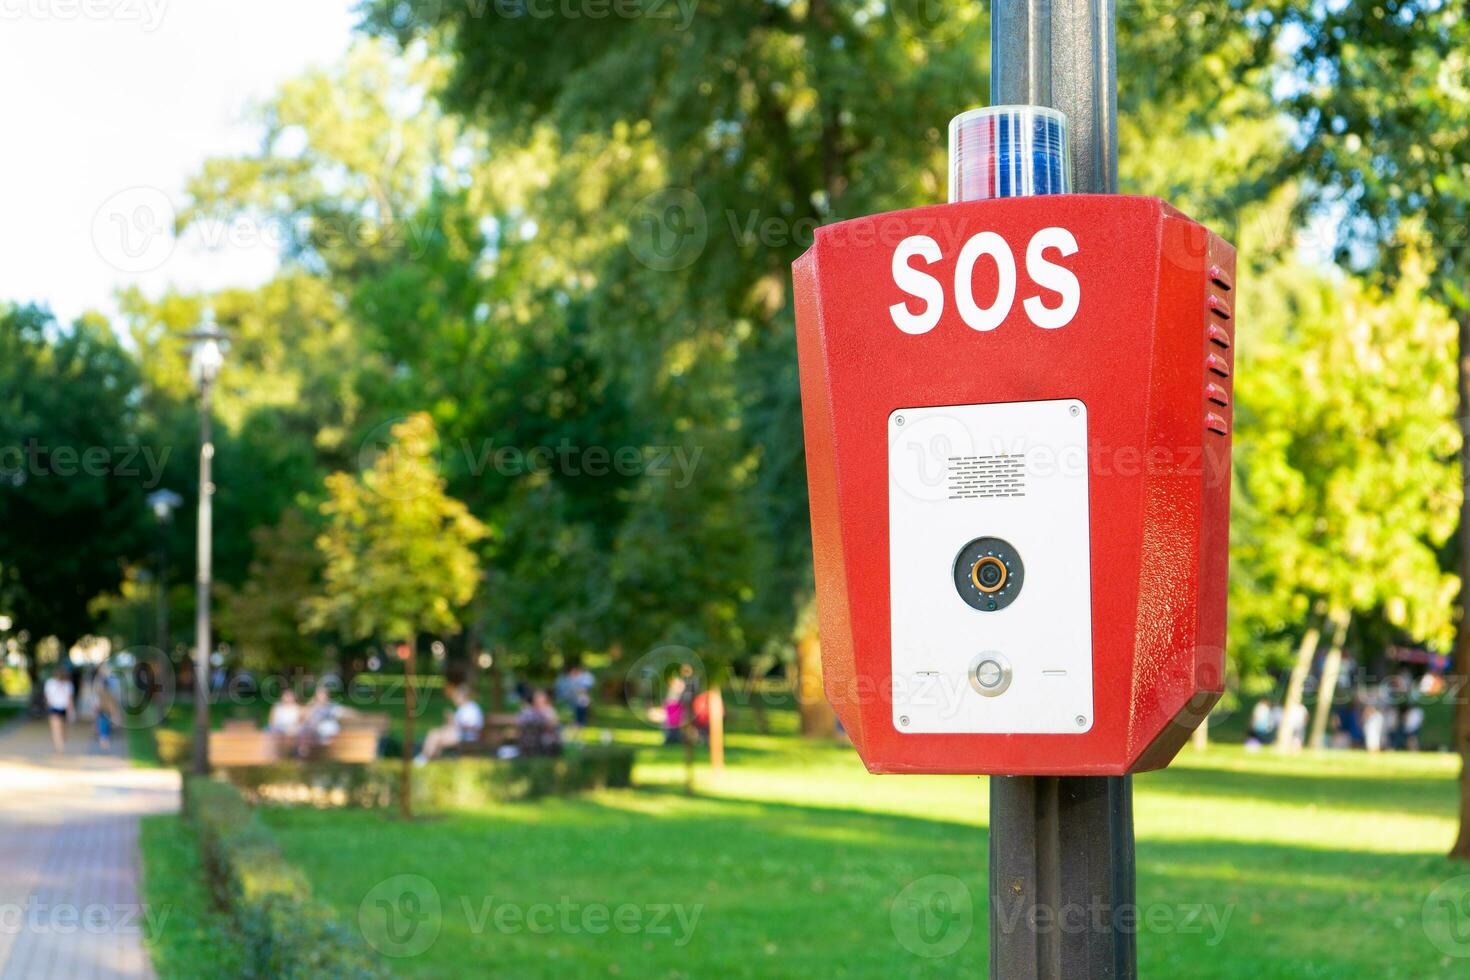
(990, 674)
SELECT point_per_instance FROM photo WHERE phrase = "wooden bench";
(242, 747)
(498, 730)
(242, 743)
(352, 744)
(376, 721)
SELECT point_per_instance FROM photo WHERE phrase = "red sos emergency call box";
(1018, 426)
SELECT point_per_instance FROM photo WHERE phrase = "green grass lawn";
(796, 862)
(793, 860)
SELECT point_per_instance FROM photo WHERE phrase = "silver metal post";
(202, 642)
(1061, 53)
(161, 587)
(1062, 902)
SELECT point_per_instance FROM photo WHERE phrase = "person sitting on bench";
(539, 728)
(461, 726)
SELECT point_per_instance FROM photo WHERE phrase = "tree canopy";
(398, 553)
(73, 471)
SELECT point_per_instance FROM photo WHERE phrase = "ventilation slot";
(975, 477)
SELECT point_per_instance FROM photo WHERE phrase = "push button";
(990, 674)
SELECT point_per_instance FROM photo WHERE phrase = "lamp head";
(208, 355)
(164, 503)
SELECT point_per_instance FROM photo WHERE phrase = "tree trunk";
(757, 701)
(1461, 669)
(405, 787)
(716, 728)
(1201, 736)
(817, 719)
(1327, 687)
(1305, 653)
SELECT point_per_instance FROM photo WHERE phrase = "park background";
(531, 327)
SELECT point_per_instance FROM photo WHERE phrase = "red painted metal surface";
(1144, 353)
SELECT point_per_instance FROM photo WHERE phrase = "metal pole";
(162, 585)
(1060, 53)
(202, 643)
(1062, 898)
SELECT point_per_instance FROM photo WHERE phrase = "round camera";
(988, 574)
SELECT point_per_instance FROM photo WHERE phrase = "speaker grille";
(975, 477)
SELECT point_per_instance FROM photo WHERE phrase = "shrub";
(285, 931)
(473, 781)
(174, 748)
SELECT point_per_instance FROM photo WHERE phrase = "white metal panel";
(952, 479)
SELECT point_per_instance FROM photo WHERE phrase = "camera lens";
(988, 574)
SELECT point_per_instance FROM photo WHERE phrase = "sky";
(107, 107)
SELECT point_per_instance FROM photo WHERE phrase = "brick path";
(69, 863)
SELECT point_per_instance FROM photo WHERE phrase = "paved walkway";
(69, 863)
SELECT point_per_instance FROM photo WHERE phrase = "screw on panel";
(1075, 411)
(903, 719)
(1081, 720)
(898, 420)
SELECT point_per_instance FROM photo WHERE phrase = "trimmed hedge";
(285, 932)
(470, 781)
(442, 784)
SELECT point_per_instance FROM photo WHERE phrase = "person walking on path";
(105, 693)
(59, 706)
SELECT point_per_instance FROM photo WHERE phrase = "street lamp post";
(204, 366)
(163, 503)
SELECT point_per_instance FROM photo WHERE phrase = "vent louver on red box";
(974, 477)
(1218, 344)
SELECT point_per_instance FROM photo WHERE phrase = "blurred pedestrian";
(105, 692)
(1413, 725)
(674, 714)
(1297, 722)
(1261, 728)
(1374, 724)
(60, 707)
(579, 684)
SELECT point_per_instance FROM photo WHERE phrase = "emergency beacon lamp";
(1017, 410)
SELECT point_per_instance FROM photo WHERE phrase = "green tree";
(1380, 94)
(398, 556)
(445, 298)
(686, 570)
(265, 615)
(1346, 460)
(73, 474)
